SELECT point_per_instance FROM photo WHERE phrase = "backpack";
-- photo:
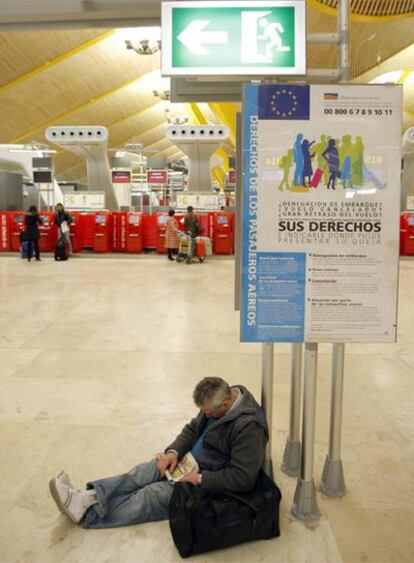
(206, 520)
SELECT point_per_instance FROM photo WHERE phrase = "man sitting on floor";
(227, 438)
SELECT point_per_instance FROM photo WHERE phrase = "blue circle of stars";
(283, 103)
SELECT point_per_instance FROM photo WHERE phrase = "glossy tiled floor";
(99, 357)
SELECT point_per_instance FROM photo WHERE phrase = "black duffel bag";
(206, 520)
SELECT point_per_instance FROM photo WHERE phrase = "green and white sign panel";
(234, 38)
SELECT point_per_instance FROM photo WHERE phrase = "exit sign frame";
(199, 37)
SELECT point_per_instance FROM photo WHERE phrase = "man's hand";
(166, 461)
(193, 478)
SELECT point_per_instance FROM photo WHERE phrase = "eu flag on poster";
(284, 101)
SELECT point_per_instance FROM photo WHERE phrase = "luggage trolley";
(186, 248)
(190, 247)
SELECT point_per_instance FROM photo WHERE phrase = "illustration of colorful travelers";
(330, 154)
(319, 149)
(307, 162)
(285, 163)
(357, 169)
(371, 178)
(345, 155)
(298, 160)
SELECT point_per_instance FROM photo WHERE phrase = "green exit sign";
(234, 38)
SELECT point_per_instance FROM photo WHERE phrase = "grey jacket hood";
(247, 406)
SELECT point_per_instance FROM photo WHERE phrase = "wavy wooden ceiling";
(89, 77)
(375, 7)
(22, 51)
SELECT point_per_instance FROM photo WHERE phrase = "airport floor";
(99, 357)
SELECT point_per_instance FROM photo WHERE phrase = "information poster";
(84, 200)
(321, 203)
(201, 201)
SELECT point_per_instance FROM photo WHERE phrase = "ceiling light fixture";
(175, 120)
(163, 94)
(144, 47)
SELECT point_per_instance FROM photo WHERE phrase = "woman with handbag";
(32, 221)
(171, 237)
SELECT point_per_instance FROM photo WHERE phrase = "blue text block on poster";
(279, 304)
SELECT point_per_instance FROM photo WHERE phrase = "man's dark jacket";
(233, 447)
(32, 220)
(61, 216)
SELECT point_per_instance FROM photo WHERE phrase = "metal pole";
(292, 454)
(323, 74)
(338, 360)
(333, 480)
(267, 399)
(304, 503)
(344, 43)
(329, 38)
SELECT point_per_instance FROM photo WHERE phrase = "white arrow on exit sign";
(194, 37)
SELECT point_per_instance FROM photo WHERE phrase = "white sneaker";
(68, 500)
(64, 477)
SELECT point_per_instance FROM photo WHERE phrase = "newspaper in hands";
(186, 465)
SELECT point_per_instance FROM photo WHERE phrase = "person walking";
(32, 221)
(63, 220)
(171, 236)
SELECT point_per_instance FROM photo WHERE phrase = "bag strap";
(238, 497)
(191, 492)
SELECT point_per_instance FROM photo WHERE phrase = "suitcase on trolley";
(207, 245)
(200, 249)
(316, 178)
(62, 249)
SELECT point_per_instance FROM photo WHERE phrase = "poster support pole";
(292, 454)
(344, 41)
(304, 503)
(267, 399)
(333, 480)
